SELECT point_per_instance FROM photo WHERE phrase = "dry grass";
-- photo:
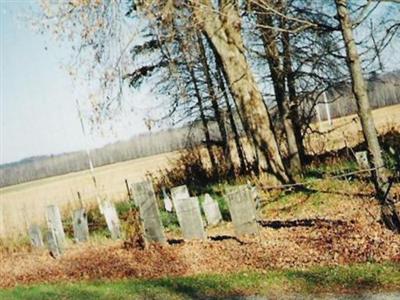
(347, 131)
(24, 203)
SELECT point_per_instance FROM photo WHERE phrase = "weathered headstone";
(211, 210)
(254, 194)
(189, 217)
(167, 201)
(362, 159)
(80, 225)
(112, 220)
(242, 210)
(35, 235)
(54, 223)
(180, 192)
(55, 248)
(143, 192)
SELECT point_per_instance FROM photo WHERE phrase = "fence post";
(128, 190)
(80, 199)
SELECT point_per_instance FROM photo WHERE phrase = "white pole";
(328, 112)
(318, 116)
(89, 155)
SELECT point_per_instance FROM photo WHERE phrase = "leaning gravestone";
(180, 192)
(145, 198)
(362, 159)
(53, 244)
(111, 216)
(211, 210)
(54, 223)
(242, 210)
(35, 235)
(80, 225)
(189, 217)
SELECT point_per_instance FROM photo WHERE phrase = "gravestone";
(166, 200)
(254, 195)
(112, 220)
(180, 192)
(189, 217)
(362, 159)
(80, 225)
(211, 210)
(242, 210)
(54, 223)
(143, 193)
(35, 235)
(55, 248)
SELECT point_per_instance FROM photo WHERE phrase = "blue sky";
(37, 106)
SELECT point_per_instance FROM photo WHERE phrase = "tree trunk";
(215, 106)
(389, 214)
(223, 29)
(282, 99)
(223, 80)
(204, 121)
(238, 144)
(294, 105)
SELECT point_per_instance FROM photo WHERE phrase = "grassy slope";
(343, 279)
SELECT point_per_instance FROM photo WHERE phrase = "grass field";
(24, 203)
(353, 280)
(27, 201)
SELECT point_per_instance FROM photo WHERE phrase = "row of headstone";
(240, 203)
(56, 236)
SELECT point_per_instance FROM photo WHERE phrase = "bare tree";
(389, 213)
(223, 30)
(278, 69)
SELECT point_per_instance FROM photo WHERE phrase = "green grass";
(353, 278)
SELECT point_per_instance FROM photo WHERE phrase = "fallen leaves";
(324, 243)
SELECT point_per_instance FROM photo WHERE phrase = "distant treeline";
(383, 91)
(138, 146)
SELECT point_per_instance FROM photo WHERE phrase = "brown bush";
(193, 169)
(133, 231)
